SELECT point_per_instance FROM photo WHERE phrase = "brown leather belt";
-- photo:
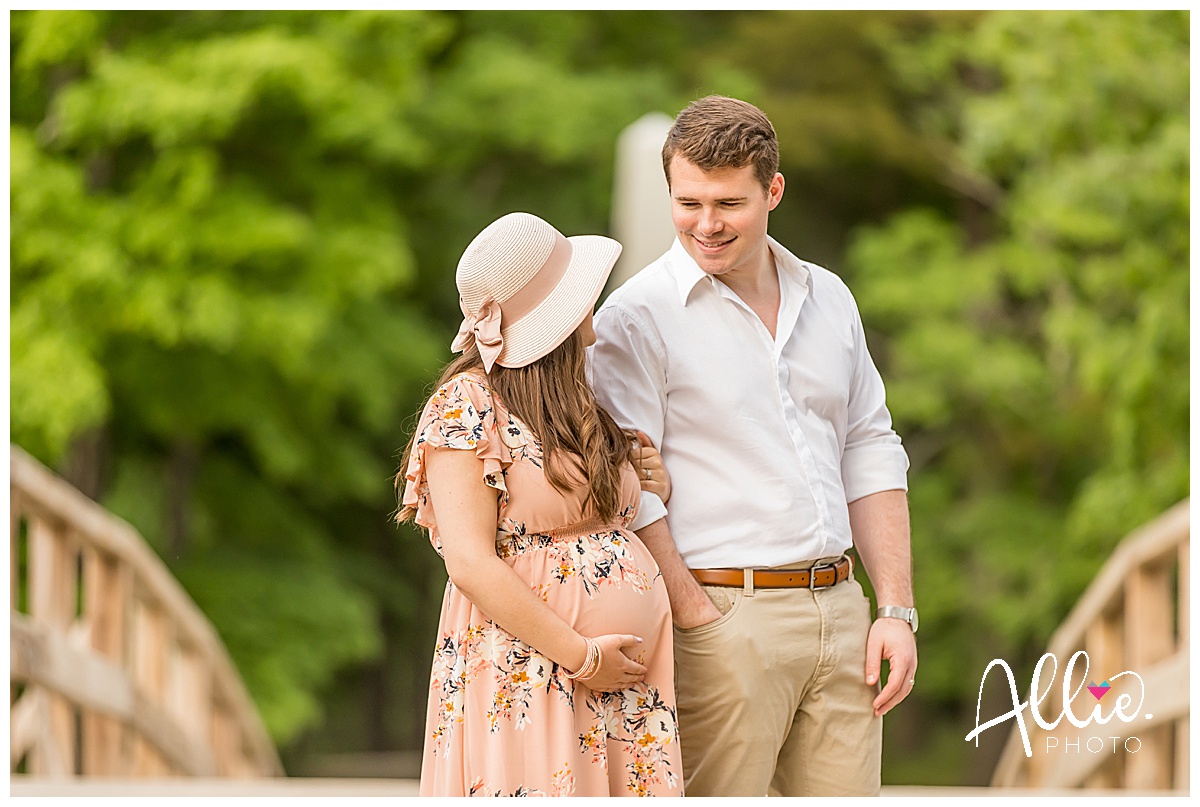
(817, 577)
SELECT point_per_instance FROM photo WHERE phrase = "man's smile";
(710, 245)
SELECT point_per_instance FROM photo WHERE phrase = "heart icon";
(1098, 692)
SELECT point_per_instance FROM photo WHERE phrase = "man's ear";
(775, 191)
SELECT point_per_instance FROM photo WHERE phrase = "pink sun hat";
(524, 287)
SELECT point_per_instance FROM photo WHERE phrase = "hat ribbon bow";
(484, 327)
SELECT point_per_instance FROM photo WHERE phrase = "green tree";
(233, 240)
(525, 109)
(1036, 346)
(849, 147)
(211, 278)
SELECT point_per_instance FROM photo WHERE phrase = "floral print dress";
(504, 720)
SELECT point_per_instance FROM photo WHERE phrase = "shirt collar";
(688, 274)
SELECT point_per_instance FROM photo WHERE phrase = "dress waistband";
(584, 527)
(508, 545)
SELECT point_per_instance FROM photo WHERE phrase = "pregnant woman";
(552, 673)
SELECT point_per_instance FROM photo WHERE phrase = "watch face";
(914, 620)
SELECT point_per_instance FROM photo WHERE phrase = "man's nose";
(710, 221)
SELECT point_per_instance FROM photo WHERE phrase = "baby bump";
(599, 583)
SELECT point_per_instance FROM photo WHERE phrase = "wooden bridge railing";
(1133, 616)
(114, 670)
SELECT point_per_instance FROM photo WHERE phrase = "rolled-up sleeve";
(873, 459)
(628, 374)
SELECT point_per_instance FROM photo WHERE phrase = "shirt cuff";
(650, 509)
(868, 469)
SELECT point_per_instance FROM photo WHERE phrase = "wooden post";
(1106, 652)
(47, 757)
(1150, 637)
(1105, 643)
(14, 548)
(1182, 774)
(24, 724)
(1185, 622)
(1035, 766)
(107, 593)
(189, 691)
(149, 649)
(51, 576)
(225, 739)
(52, 580)
(1150, 607)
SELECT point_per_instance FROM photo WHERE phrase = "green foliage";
(1037, 351)
(48, 201)
(848, 147)
(232, 252)
(211, 263)
(234, 236)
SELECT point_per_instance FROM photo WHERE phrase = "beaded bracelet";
(591, 662)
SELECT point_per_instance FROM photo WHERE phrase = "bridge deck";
(298, 786)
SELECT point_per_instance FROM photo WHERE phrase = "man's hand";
(891, 639)
(879, 523)
(698, 613)
(690, 606)
(647, 459)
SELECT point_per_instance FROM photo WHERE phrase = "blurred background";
(233, 240)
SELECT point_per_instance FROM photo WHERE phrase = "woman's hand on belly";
(617, 670)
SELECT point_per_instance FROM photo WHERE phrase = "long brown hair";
(580, 440)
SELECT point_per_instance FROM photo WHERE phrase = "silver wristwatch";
(909, 615)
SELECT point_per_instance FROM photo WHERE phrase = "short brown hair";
(719, 132)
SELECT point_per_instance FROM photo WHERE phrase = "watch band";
(909, 615)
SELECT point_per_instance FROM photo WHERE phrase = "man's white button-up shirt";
(766, 439)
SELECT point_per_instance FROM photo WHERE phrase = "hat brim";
(548, 324)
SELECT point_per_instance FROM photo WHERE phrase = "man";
(749, 370)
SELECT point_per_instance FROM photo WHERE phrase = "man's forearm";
(690, 606)
(879, 523)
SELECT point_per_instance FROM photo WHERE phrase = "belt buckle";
(812, 576)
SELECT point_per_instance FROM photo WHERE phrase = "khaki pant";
(772, 697)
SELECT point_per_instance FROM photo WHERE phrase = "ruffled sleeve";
(460, 414)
